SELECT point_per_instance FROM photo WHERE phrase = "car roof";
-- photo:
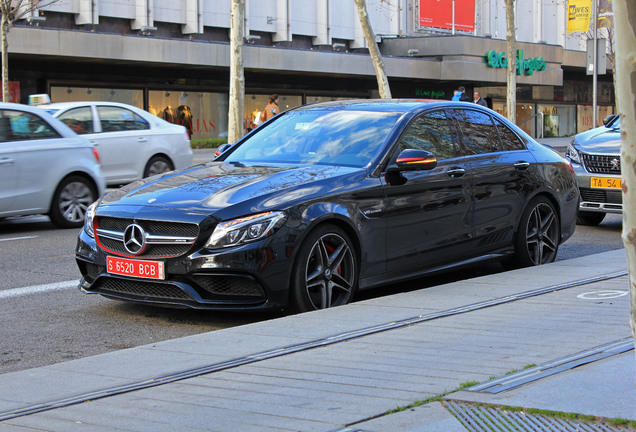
(388, 105)
(62, 105)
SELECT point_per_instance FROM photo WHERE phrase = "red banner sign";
(439, 14)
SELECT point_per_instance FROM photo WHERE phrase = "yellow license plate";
(606, 183)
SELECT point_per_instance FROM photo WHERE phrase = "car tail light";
(96, 154)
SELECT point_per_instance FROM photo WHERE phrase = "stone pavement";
(563, 327)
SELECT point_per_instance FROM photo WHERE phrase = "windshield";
(319, 136)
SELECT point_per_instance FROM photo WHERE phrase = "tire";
(157, 165)
(70, 201)
(325, 273)
(538, 236)
(589, 218)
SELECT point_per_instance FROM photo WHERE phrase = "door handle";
(95, 143)
(142, 140)
(7, 162)
(522, 165)
(456, 172)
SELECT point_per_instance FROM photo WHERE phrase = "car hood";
(218, 188)
(599, 140)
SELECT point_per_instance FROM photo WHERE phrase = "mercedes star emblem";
(134, 239)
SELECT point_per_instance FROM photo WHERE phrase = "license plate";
(135, 268)
(606, 183)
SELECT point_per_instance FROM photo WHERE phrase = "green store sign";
(528, 66)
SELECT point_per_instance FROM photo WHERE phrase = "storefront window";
(584, 118)
(78, 94)
(558, 120)
(254, 104)
(204, 115)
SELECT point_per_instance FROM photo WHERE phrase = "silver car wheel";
(157, 165)
(74, 199)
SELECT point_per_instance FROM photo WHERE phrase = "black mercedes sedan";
(327, 199)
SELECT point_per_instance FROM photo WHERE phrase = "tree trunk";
(4, 27)
(237, 78)
(376, 57)
(625, 32)
(511, 95)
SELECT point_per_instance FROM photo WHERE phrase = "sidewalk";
(563, 326)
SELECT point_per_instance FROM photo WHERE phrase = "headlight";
(245, 230)
(573, 154)
(88, 219)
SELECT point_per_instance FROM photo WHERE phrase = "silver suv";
(595, 156)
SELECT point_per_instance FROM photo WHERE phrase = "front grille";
(222, 285)
(148, 290)
(602, 164)
(601, 196)
(174, 231)
(153, 251)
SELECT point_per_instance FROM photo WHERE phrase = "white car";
(133, 144)
(45, 167)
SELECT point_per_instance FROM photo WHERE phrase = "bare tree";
(10, 12)
(511, 94)
(625, 32)
(374, 51)
(237, 76)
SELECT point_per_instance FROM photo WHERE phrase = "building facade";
(164, 54)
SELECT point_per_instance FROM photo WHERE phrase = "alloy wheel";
(330, 272)
(74, 199)
(542, 234)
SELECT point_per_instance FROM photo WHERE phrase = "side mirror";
(609, 119)
(416, 160)
(222, 149)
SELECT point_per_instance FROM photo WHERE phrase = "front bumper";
(595, 199)
(250, 277)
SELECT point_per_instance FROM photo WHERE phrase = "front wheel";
(325, 273)
(70, 201)
(538, 236)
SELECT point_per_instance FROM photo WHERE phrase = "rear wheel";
(538, 236)
(70, 201)
(157, 165)
(589, 218)
(325, 273)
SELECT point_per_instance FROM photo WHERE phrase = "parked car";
(326, 199)
(45, 168)
(133, 143)
(596, 158)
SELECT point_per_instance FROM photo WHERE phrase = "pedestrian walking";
(479, 100)
(460, 95)
(271, 109)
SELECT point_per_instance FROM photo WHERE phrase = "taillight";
(96, 154)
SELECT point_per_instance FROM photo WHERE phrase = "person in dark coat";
(479, 100)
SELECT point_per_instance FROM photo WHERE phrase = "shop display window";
(204, 115)
(255, 103)
(558, 120)
(78, 94)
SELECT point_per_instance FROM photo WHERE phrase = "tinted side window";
(430, 132)
(509, 139)
(114, 119)
(21, 126)
(478, 132)
(78, 119)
